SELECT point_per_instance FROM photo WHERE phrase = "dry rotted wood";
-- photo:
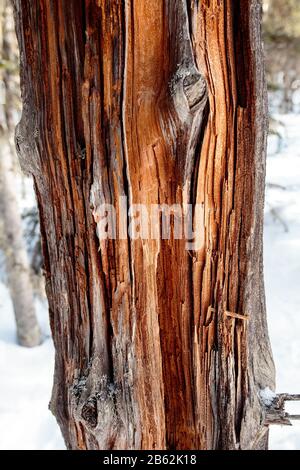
(162, 102)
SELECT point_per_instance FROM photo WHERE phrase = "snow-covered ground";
(26, 380)
(26, 374)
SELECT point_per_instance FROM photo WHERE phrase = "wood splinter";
(211, 311)
(236, 315)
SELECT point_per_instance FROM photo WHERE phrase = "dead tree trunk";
(16, 259)
(161, 102)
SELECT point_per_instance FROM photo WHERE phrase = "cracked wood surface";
(162, 102)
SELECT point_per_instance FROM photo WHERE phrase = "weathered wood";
(275, 412)
(161, 102)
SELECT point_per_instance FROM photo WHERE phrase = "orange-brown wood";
(162, 102)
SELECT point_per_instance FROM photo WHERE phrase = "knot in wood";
(89, 412)
(194, 87)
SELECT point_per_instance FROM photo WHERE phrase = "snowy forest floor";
(26, 374)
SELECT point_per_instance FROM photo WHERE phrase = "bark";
(16, 259)
(162, 102)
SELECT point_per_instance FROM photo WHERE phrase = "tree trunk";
(159, 102)
(16, 259)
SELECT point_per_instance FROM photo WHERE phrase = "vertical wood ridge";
(159, 102)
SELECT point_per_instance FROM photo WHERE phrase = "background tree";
(163, 102)
(16, 259)
(282, 40)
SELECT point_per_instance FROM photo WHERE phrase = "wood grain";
(162, 102)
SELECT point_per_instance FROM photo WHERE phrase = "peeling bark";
(163, 102)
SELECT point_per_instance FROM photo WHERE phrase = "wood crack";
(145, 99)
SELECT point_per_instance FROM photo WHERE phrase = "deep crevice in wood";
(165, 101)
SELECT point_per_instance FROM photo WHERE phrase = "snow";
(26, 422)
(282, 272)
(267, 396)
(26, 374)
(26, 380)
